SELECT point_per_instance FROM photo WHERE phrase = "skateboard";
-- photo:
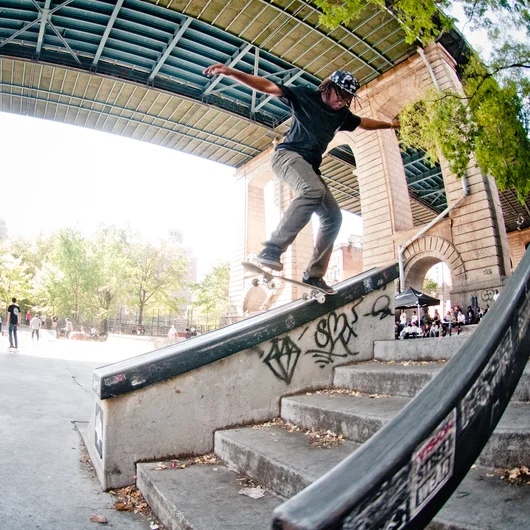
(271, 281)
(12, 349)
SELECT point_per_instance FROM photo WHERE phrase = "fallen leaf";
(99, 519)
(253, 493)
(123, 506)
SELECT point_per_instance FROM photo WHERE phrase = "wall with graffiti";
(179, 415)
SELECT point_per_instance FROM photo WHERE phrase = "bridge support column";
(250, 234)
(477, 225)
(476, 229)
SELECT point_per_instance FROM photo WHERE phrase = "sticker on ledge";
(368, 285)
(432, 464)
(98, 430)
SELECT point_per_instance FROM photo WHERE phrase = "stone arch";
(388, 96)
(254, 298)
(421, 255)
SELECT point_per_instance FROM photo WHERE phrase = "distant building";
(346, 261)
(176, 237)
(3, 228)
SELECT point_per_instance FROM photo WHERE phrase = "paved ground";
(44, 484)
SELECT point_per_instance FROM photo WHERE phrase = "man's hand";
(261, 84)
(217, 69)
(395, 124)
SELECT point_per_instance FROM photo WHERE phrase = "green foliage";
(430, 286)
(424, 20)
(109, 251)
(491, 118)
(439, 124)
(417, 17)
(211, 295)
(70, 275)
(156, 272)
(15, 280)
(488, 120)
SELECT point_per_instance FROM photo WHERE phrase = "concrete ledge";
(482, 502)
(203, 497)
(432, 349)
(359, 418)
(169, 403)
(509, 445)
(279, 460)
(356, 418)
(387, 379)
(133, 374)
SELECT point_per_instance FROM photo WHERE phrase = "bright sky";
(56, 175)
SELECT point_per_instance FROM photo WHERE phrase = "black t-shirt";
(314, 124)
(15, 312)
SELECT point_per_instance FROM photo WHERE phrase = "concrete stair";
(318, 430)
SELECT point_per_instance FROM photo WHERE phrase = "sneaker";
(270, 257)
(319, 282)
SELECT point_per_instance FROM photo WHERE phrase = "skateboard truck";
(272, 281)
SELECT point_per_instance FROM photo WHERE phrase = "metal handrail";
(405, 473)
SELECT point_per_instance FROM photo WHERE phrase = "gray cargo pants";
(312, 196)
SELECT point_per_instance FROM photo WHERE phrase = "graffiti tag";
(381, 308)
(282, 358)
(332, 331)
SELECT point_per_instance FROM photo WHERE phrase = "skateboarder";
(316, 116)
(13, 321)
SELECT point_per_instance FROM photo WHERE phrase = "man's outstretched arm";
(253, 81)
(368, 124)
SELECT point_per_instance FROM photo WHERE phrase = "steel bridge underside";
(134, 68)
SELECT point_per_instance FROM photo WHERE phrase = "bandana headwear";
(345, 81)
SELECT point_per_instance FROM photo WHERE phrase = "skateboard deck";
(268, 278)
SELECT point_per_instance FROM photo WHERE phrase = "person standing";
(55, 319)
(317, 115)
(35, 325)
(13, 321)
(28, 317)
(172, 333)
(69, 328)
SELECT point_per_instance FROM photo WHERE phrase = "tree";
(15, 279)
(430, 286)
(112, 270)
(155, 272)
(490, 119)
(74, 263)
(211, 295)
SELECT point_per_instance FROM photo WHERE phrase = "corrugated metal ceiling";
(134, 68)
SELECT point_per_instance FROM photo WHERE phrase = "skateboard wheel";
(305, 296)
(273, 284)
(255, 282)
(321, 298)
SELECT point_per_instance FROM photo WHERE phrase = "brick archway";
(253, 299)
(426, 252)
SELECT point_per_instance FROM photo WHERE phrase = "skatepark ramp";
(171, 401)
(407, 471)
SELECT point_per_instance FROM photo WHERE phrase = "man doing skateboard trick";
(317, 115)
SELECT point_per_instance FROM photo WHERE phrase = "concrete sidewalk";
(43, 482)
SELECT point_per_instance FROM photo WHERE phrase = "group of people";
(44, 321)
(436, 326)
(172, 334)
(35, 323)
